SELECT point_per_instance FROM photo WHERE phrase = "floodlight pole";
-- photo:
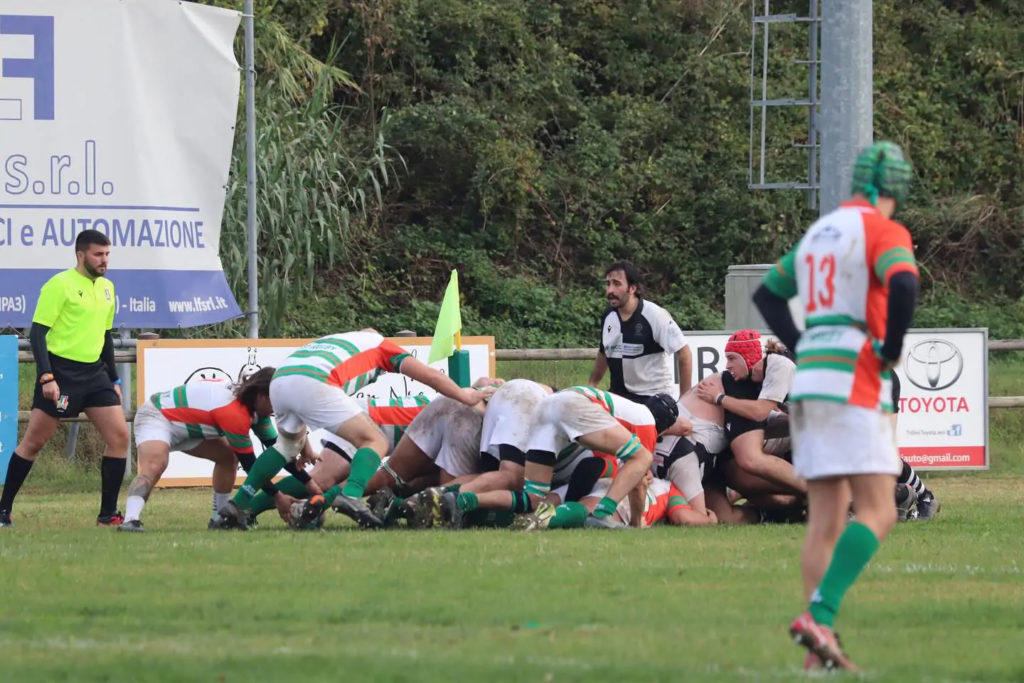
(252, 313)
(846, 96)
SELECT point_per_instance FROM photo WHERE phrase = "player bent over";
(313, 388)
(440, 445)
(574, 419)
(209, 420)
(333, 462)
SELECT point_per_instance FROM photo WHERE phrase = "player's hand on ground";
(51, 391)
(283, 503)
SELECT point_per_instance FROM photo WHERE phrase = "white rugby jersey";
(641, 351)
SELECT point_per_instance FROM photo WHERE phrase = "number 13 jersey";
(840, 271)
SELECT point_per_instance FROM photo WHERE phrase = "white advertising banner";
(943, 411)
(165, 364)
(119, 116)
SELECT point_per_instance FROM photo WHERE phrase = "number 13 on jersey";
(821, 275)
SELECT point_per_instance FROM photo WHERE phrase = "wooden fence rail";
(127, 355)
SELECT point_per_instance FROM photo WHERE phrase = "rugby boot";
(384, 504)
(540, 518)
(608, 522)
(905, 499)
(423, 510)
(110, 519)
(305, 517)
(451, 513)
(357, 509)
(927, 506)
(230, 516)
(821, 641)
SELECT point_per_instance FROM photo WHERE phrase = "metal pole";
(764, 92)
(124, 371)
(250, 168)
(846, 102)
(71, 445)
(812, 126)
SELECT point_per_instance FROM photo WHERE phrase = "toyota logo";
(934, 364)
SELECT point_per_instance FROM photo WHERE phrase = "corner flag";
(449, 323)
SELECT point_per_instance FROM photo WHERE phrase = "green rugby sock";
(568, 516)
(263, 470)
(467, 501)
(605, 508)
(853, 552)
(262, 502)
(364, 463)
(332, 493)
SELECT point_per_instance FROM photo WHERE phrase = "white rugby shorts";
(448, 432)
(835, 439)
(508, 420)
(151, 425)
(300, 402)
(563, 418)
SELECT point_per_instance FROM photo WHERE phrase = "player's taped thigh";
(628, 449)
(289, 445)
(399, 482)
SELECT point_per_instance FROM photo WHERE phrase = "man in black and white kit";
(639, 341)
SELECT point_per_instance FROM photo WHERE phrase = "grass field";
(942, 601)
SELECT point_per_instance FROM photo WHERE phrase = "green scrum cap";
(881, 170)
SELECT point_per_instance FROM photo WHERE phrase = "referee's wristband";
(719, 399)
(117, 381)
(46, 378)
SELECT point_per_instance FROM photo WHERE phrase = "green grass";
(941, 601)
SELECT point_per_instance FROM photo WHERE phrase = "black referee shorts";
(82, 385)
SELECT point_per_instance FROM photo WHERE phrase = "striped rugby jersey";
(350, 360)
(631, 415)
(208, 409)
(394, 415)
(840, 271)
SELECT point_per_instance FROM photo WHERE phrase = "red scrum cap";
(747, 343)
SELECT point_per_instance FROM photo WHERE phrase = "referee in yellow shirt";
(74, 353)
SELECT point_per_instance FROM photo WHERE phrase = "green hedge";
(529, 143)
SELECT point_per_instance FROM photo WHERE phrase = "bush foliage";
(529, 143)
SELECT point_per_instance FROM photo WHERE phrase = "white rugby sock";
(133, 507)
(219, 501)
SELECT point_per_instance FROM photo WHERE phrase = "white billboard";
(943, 411)
(119, 116)
(167, 363)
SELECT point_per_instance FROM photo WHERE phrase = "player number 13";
(823, 291)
